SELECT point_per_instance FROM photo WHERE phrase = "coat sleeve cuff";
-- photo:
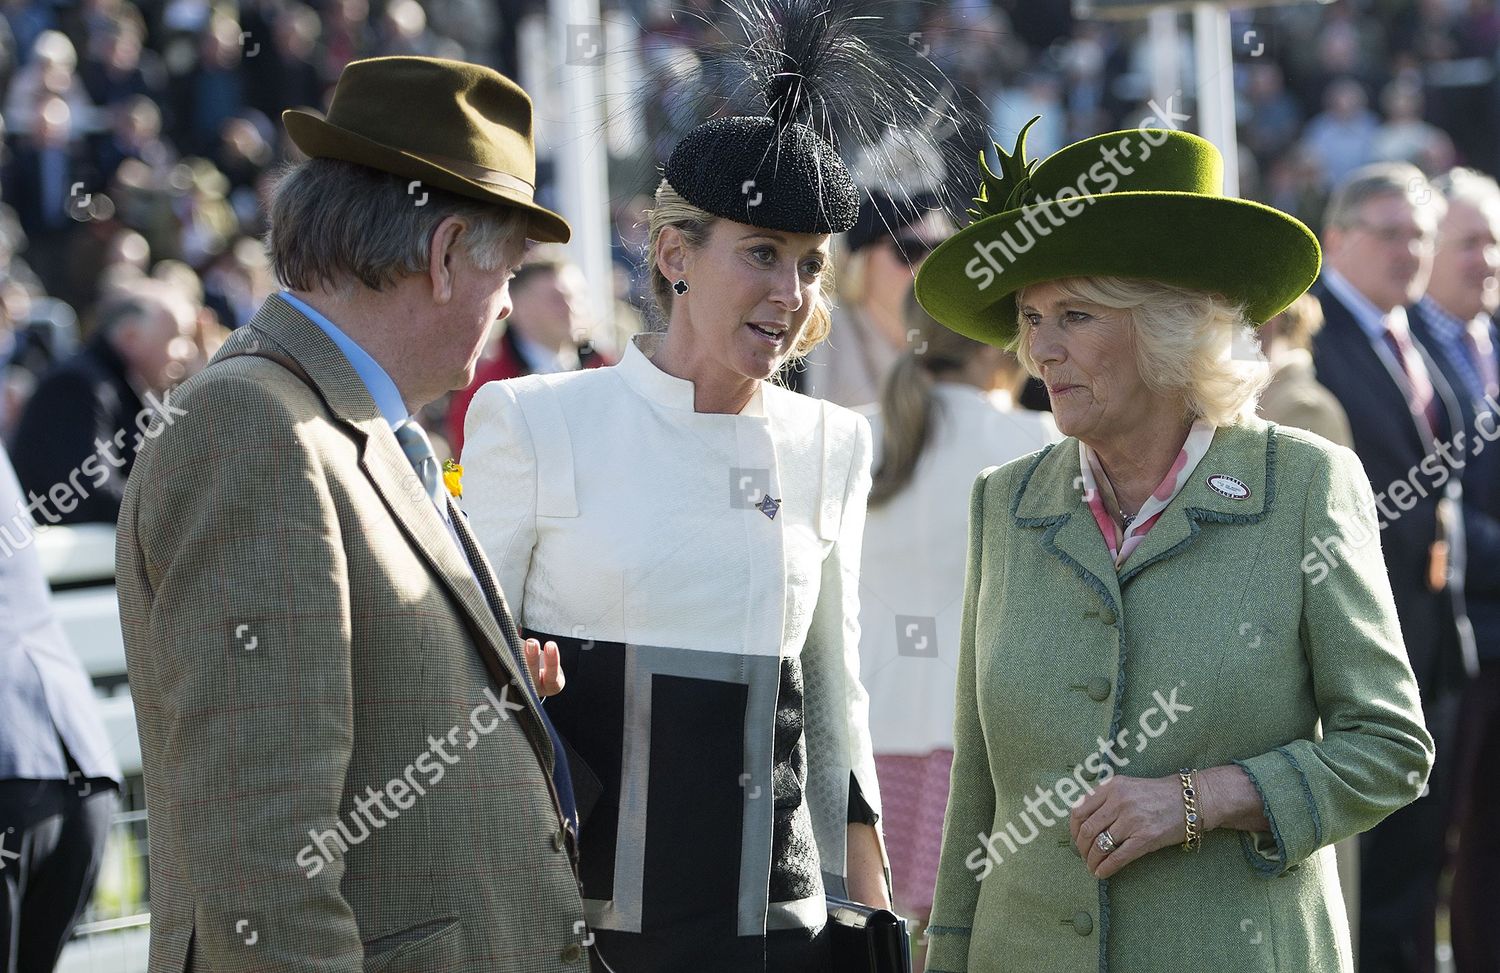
(1296, 829)
(860, 811)
(947, 949)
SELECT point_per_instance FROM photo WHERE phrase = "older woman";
(688, 534)
(1181, 676)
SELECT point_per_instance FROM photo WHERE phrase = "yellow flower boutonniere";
(453, 478)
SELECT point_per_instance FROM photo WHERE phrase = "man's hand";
(546, 668)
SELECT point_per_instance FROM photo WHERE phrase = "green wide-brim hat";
(1142, 203)
(457, 126)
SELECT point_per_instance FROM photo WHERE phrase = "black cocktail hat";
(752, 170)
(830, 80)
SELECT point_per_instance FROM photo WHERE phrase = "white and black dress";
(700, 572)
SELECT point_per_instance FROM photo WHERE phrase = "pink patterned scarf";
(1100, 493)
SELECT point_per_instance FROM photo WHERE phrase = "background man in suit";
(1377, 241)
(540, 336)
(58, 779)
(1455, 320)
(89, 413)
(311, 631)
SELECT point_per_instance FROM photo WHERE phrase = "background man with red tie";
(1378, 240)
(1455, 321)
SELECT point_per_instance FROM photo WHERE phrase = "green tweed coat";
(1227, 637)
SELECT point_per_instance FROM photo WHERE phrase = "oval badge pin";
(1226, 485)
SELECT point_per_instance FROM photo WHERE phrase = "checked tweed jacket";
(303, 637)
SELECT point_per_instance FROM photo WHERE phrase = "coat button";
(1082, 923)
(1107, 617)
(1099, 689)
(572, 953)
(559, 840)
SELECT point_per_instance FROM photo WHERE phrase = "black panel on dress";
(695, 802)
(795, 871)
(589, 714)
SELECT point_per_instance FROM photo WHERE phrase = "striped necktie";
(1421, 397)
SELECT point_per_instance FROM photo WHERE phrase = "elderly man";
(78, 436)
(1455, 320)
(347, 764)
(1377, 240)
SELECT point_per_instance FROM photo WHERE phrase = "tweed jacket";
(1296, 398)
(306, 644)
(1223, 639)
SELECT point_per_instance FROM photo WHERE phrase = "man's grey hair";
(333, 223)
(1377, 180)
(1461, 185)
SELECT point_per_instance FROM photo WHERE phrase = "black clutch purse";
(867, 940)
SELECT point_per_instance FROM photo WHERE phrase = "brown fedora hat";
(461, 127)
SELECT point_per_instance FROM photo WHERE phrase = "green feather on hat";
(1142, 203)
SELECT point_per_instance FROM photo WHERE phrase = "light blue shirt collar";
(387, 397)
(1371, 320)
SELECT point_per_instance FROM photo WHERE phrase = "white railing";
(79, 561)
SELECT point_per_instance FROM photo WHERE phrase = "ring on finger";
(1105, 842)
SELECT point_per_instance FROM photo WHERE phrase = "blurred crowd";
(139, 139)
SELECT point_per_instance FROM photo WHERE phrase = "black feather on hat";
(831, 75)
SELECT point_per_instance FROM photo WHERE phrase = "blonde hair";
(695, 224)
(1189, 344)
(909, 411)
(1300, 322)
(853, 274)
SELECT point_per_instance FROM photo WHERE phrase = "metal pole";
(1166, 75)
(1215, 70)
(579, 147)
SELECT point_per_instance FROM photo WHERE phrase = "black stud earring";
(681, 287)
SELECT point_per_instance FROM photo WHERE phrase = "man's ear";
(671, 254)
(442, 251)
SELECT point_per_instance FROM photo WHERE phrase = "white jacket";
(914, 557)
(614, 513)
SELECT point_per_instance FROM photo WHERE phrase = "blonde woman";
(1165, 698)
(688, 533)
(945, 414)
